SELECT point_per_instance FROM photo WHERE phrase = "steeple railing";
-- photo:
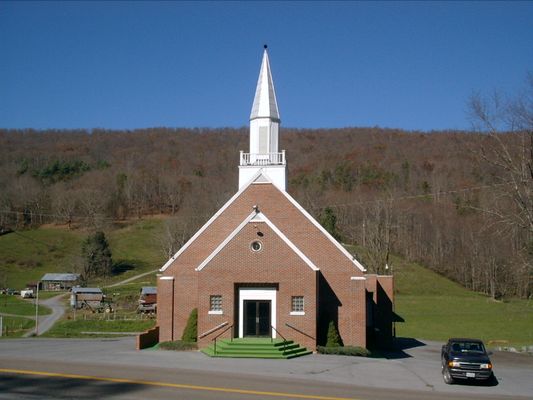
(252, 159)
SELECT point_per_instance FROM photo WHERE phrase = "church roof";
(258, 217)
(265, 104)
(226, 223)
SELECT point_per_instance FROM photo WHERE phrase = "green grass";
(15, 326)
(26, 256)
(436, 308)
(71, 328)
(16, 305)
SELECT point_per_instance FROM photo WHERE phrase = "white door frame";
(257, 294)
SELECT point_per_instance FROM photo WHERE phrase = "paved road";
(111, 368)
(56, 304)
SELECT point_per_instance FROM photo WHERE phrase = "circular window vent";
(256, 245)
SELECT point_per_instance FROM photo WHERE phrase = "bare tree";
(507, 149)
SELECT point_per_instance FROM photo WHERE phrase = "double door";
(257, 318)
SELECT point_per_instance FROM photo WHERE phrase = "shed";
(82, 297)
(148, 299)
(59, 281)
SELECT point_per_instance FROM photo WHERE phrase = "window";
(215, 302)
(297, 305)
(256, 245)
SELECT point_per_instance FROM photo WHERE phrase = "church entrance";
(257, 318)
(255, 308)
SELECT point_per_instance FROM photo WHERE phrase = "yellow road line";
(171, 385)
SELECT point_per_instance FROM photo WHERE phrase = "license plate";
(470, 374)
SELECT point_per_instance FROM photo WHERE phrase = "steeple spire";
(264, 155)
(265, 104)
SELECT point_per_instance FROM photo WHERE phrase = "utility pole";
(37, 311)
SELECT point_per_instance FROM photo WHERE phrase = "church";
(264, 267)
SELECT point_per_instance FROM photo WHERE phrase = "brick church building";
(264, 266)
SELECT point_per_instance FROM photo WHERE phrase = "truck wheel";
(448, 379)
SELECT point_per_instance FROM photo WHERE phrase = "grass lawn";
(18, 306)
(15, 326)
(436, 308)
(71, 328)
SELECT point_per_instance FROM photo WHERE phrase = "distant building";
(264, 266)
(90, 298)
(53, 281)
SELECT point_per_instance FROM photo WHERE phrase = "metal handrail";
(216, 328)
(283, 337)
(217, 336)
(299, 331)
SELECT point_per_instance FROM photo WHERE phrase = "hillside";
(433, 198)
(432, 306)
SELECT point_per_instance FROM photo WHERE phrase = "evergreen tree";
(96, 256)
(328, 220)
(334, 340)
(190, 333)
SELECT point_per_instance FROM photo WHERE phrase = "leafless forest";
(459, 202)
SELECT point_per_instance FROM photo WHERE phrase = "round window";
(256, 245)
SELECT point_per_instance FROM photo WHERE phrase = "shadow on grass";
(397, 351)
(122, 266)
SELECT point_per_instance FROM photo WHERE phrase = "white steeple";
(264, 131)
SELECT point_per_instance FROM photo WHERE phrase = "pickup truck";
(465, 359)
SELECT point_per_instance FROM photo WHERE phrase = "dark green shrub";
(190, 333)
(334, 340)
(178, 345)
(344, 351)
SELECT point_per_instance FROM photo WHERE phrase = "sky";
(128, 65)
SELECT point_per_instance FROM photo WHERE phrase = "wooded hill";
(437, 198)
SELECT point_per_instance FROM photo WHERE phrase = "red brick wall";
(275, 264)
(335, 268)
(165, 312)
(148, 339)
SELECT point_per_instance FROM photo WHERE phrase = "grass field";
(15, 326)
(71, 328)
(18, 306)
(436, 308)
(26, 256)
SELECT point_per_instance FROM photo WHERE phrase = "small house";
(61, 281)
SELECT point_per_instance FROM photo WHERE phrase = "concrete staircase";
(256, 348)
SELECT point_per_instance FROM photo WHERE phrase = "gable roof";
(257, 216)
(261, 178)
(50, 276)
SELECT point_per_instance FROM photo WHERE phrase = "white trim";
(358, 278)
(215, 312)
(257, 294)
(166, 278)
(225, 242)
(324, 231)
(291, 244)
(211, 220)
(250, 218)
(297, 312)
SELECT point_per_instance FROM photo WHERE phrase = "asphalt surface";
(111, 368)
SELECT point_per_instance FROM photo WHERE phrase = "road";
(111, 368)
(47, 321)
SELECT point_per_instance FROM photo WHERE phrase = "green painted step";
(256, 348)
